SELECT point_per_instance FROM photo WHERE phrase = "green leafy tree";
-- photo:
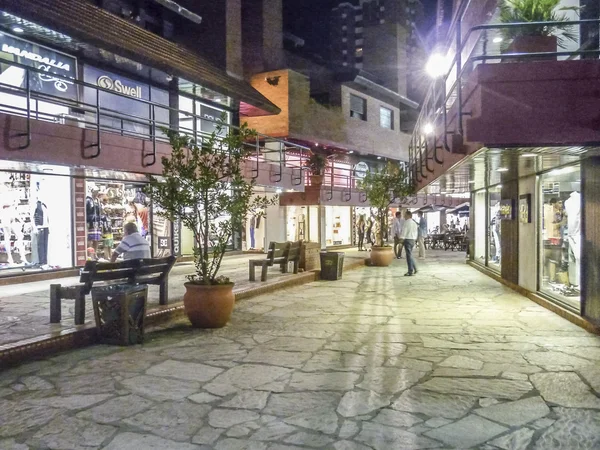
(383, 188)
(516, 11)
(203, 186)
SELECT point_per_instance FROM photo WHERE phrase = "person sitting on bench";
(133, 245)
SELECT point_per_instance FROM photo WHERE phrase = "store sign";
(360, 170)
(35, 57)
(163, 243)
(49, 62)
(177, 238)
(213, 115)
(106, 82)
(506, 211)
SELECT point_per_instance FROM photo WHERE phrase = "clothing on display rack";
(42, 224)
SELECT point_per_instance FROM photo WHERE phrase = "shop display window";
(35, 222)
(338, 222)
(481, 228)
(561, 234)
(108, 207)
(494, 228)
(297, 223)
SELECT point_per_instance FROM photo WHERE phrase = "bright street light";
(428, 128)
(436, 65)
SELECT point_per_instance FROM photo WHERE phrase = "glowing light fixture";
(502, 169)
(528, 155)
(436, 65)
(428, 128)
(278, 191)
(18, 30)
(497, 40)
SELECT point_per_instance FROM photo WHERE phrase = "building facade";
(518, 131)
(86, 92)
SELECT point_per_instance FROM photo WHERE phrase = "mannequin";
(41, 225)
(10, 226)
(573, 210)
(495, 225)
(93, 216)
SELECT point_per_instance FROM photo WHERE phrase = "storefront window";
(108, 207)
(338, 223)
(297, 223)
(206, 124)
(494, 231)
(481, 228)
(561, 234)
(35, 222)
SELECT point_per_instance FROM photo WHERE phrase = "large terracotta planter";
(533, 44)
(316, 180)
(381, 256)
(208, 306)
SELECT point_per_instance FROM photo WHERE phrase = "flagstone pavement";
(446, 359)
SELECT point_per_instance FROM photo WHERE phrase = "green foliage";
(203, 186)
(317, 164)
(516, 11)
(385, 187)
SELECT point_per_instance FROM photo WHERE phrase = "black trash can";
(119, 311)
(332, 265)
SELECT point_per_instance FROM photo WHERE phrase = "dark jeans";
(42, 245)
(409, 244)
(397, 246)
(361, 240)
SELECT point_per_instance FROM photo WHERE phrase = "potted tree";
(536, 38)
(203, 186)
(384, 187)
(317, 164)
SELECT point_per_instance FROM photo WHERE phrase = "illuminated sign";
(119, 87)
(35, 57)
(506, 211)
(360, 170)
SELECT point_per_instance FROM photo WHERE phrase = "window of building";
(359, 52)
(386, 118)
(358, 107)
(480, 231)
(561, 234)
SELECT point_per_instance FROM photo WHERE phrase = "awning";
(463, 207)
(80, 19)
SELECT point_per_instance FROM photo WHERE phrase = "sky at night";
(309, 19)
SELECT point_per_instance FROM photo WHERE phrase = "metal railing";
(86, 107)
(442, 110)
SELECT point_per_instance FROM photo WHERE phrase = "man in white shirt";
(410, 233)
(133, 245)
(397, 226)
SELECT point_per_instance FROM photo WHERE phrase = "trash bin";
(119, 311)
(332, 264)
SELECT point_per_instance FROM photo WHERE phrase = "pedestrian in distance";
(397, 227)
(361, 228)
(410, 234)
(422, 222)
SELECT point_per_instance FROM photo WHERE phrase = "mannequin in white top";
(573, 209)
(11, 226)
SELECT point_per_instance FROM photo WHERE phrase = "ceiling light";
(472, 182)
(497, 40)
(350, 152)
(528, 155)
(502, 169)
(379, 157)
(499, 186)
(428, 128)
(18, 30)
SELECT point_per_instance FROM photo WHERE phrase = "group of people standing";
(407, 233)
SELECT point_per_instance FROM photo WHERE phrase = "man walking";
(422, 234)
(397, 232)
(410, 233)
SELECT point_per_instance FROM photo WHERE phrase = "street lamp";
(436, 65)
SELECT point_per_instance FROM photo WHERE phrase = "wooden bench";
(281, 254)
(137, 271)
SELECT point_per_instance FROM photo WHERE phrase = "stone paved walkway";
(446, 359)
(25, 308)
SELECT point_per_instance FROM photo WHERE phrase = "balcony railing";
(442, 112)
(24, 98)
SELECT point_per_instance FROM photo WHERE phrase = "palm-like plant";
(522, 11)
